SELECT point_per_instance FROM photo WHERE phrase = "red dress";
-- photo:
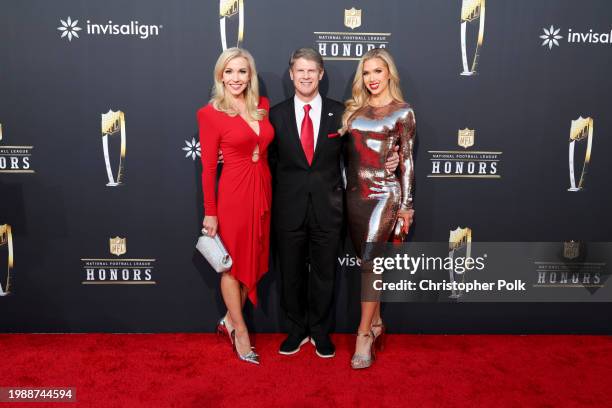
(244, 196)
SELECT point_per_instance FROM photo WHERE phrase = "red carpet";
(197, 370)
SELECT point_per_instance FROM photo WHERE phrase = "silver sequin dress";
(374, 195)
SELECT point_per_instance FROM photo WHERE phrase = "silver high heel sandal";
(360, 361)
(223, 331)
(251, 357)
(379, 339)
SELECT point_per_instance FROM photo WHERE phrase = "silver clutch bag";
(214, 252)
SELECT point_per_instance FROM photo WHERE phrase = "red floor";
(197, 370)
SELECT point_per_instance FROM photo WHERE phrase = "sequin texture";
(375, 195)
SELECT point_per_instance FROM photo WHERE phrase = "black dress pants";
(307, 258)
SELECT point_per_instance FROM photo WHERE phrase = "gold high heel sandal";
(360, 361)
(379, 339)
(251, 357)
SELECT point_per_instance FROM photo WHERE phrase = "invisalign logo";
(69, 29)
(552, 37)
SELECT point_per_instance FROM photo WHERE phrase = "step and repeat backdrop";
(100, 191)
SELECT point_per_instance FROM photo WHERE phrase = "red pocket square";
(332, 135)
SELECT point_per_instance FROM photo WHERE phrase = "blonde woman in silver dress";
(376, 118)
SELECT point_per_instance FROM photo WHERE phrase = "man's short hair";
(309, 54)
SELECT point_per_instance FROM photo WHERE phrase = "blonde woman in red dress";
(236, 121)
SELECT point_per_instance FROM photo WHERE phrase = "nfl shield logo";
(118, 246)
(352, 18)
(465, 138)
(228, 8)
(571, 249)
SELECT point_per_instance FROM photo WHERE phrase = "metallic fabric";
(374, 195)
(213, 250)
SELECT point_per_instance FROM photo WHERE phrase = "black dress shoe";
(292, 344)
(323, 346)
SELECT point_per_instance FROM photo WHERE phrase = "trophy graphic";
(471, 11)
(227, 10)
(6, 240)
(113, 128)
(581, 130)
(459, 242)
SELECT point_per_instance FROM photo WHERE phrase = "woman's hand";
(406, 216)
(210, 224)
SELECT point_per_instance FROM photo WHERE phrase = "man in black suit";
(308, 201)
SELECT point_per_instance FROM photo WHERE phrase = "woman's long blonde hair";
(220, 101)
(360, 93)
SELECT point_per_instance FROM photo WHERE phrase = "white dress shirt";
(316, 105)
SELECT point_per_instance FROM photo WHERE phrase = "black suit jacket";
(294, 180)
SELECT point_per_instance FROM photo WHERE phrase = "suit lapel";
(323, 126)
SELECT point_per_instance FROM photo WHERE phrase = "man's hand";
(220, 157)
(392, 161)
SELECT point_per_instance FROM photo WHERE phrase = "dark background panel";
(52, 93)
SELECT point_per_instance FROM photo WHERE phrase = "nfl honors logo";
(15, 159)
(350, 45)
(578, 268)
(118, 270)
(465, 138)
(465, 163)
(352, 18)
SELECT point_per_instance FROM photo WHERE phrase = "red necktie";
(307, 135)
